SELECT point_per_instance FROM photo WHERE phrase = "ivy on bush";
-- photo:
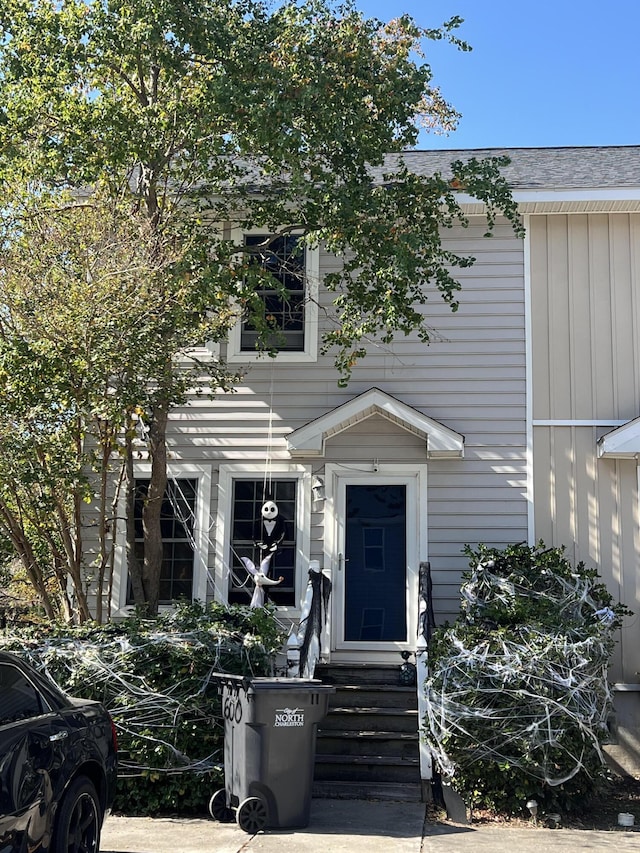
(517, 696)
(154, 677)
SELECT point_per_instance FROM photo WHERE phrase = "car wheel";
(79, 819)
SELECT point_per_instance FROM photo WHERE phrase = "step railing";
(426, 624)
(309, 642)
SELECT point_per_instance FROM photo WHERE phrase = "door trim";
(337, 477)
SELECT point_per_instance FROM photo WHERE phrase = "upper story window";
(283, 300)
(289, 298)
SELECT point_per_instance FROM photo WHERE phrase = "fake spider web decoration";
(509, 687)
(145, 714)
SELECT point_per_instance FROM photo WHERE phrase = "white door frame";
(337, 477)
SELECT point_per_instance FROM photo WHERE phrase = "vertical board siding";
(580, 312)
(590, 506)
(585, 322)
(471, 377)
(600, 326)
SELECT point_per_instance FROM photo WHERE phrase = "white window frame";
(247, 471)
(236, 355)
(176, 471)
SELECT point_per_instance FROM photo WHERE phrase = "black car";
(57, 765)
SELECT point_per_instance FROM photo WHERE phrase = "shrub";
(517, 695)
(154, 676)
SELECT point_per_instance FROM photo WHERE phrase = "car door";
(29, 754)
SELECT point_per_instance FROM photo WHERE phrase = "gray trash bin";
(270, 727)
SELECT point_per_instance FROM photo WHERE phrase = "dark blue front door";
(376, 563)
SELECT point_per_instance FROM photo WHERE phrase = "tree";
(220, 114)
(79, 335)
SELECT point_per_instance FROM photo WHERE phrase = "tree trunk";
(23, 548)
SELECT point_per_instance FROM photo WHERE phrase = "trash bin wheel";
(251, 815)
(218, 808)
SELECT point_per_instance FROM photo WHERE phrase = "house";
(519, 421)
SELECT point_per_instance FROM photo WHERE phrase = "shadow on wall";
(623, 753)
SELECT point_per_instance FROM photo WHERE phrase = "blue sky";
(541, 73)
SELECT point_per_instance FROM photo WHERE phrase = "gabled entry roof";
(441, 441)
(621, 443)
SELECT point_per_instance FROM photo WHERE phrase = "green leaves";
(94, 307)
(197, 106)
(518, 699)
(154, 677)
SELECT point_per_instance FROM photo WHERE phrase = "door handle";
(342, 560)
(61, 735)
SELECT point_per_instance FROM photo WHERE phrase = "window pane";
(284, 259)
(177, 525)
(244, 532)
(245, 490)
(243, 529)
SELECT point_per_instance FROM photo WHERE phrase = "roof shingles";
(543, 168)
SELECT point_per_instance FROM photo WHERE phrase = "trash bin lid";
(266, 683)
(272, 683)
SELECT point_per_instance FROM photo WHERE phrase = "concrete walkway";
(504, 839)
(335, 825)
(356, 825)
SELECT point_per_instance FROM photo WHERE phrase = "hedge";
(154, 677)
(517, 695)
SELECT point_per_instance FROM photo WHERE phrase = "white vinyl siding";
(471, 378)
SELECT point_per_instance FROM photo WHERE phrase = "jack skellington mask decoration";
(270, 528)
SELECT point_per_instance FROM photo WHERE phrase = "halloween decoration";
(270, 528)
(520, 679)
(260, 579)
(426, 617)
(313, 616)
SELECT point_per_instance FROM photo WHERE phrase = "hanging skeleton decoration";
(260, 579)
(270, 528)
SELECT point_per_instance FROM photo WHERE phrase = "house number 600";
(232, 708)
